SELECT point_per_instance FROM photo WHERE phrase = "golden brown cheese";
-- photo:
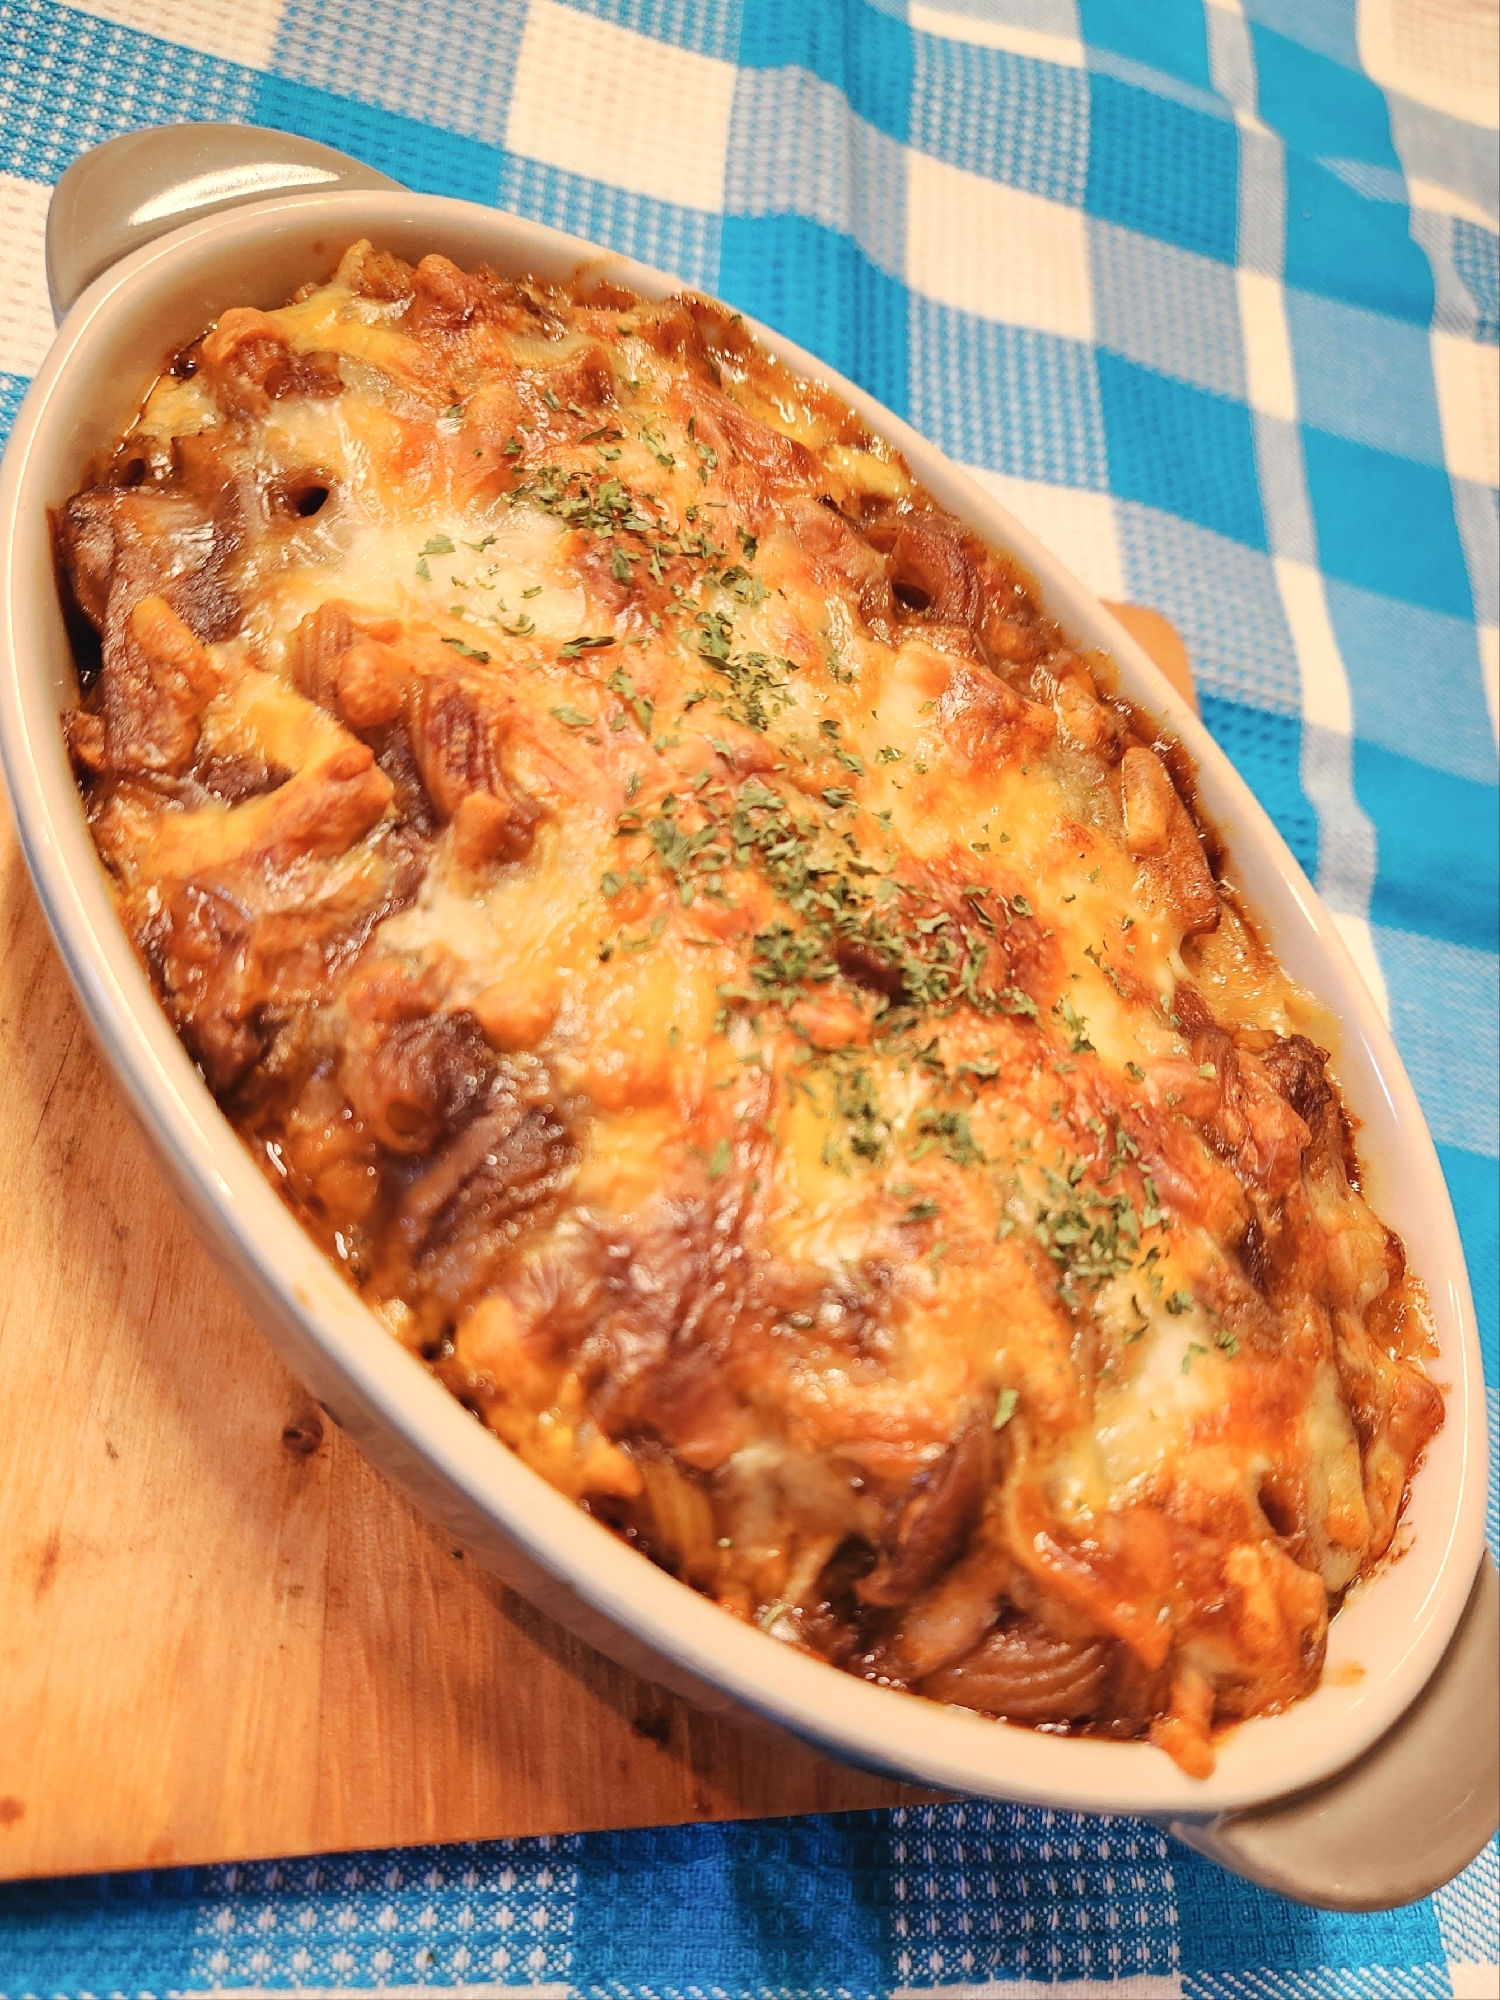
(740, 996)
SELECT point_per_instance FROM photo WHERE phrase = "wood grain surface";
(222, 1635)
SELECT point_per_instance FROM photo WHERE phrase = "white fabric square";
(1326, 702)
(1447, 201)
(615, 106)
(25, 319)
(993, 250)
(1443, 53)
(1347, 841)
(1270, 377)
(240, 31)
(1075, 525)
(1467, 375)
(1282, 473)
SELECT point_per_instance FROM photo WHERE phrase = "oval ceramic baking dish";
(1395, 1629)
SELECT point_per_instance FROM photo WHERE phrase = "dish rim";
(404, 1419)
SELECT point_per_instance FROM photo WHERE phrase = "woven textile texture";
(1208, 291)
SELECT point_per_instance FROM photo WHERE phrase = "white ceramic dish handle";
(135, 188)
(1425, 1799)
(1409, 1814)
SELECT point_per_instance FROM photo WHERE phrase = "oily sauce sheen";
(739, 997)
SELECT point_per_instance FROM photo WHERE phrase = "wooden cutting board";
(222, 1635)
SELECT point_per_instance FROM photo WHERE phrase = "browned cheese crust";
(739, 995)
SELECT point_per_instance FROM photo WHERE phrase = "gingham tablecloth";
(1209, 295)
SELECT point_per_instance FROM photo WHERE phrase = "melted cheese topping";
(741, 996)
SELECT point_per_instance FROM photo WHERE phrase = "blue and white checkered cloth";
(1208, 292)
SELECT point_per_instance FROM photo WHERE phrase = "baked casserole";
(741, 996)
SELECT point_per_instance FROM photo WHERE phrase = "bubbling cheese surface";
(741, 997)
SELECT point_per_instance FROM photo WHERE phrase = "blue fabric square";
(418, 156)
(1474, 1183)
(1321, 106)
(1341, 243)
(1181, 449)
(1365, 376)
(400, 54)
(1418, 680)
(684, 241)
(1439, 840)
(1386, 523)
(1170, 310)
(1266, 749)
(1006, 397)
(99, 1933)
(862, 49)
(819, 289)
(1160, 168)
(69, 81)
(1002, 115)
(776, 1904)
(708, 26)
(1169, 35)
